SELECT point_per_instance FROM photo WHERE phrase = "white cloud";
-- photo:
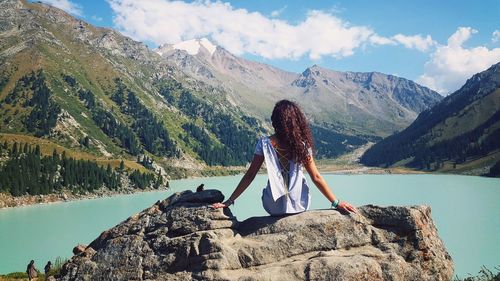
(452, 64)
(379, 40)
(462, 34)
(277, 13)
(415, 42)
(96, 18)
(241, 31)
(66, 5)
(495, 36)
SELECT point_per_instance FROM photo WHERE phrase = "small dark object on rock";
(200, 188)
(78, 249)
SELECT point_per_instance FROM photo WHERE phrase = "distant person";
(285, 153)
(200, 188)
(47, 268)
(31, 270)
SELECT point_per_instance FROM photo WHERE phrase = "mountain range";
(188, 106)
(352, 103)
(459, 134)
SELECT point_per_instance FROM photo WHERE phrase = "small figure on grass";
(47, 268)
(32, 271)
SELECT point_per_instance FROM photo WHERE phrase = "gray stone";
(183, 238)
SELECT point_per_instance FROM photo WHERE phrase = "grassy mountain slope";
(462, 129)
(68, 82)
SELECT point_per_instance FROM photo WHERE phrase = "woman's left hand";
(226, 204)
(346, 207)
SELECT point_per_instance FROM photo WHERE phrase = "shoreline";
(363, 170)
(8, 201)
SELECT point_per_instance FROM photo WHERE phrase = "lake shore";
(347, 164)
(361, 170)
(9, 201)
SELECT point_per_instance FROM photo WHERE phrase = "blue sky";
(436, 43)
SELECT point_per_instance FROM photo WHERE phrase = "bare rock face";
(183, 238)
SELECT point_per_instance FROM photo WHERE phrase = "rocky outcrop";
(183, 238)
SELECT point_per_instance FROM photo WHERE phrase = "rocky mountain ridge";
(389, 103)
(183, 238)
(463, 129)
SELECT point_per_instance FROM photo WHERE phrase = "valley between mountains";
(84, 108)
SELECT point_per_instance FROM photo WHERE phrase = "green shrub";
(483, 275)
(15, 275)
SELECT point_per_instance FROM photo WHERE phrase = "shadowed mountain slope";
(462, 128)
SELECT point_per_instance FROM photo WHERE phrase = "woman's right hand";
(344, 206)
(219, 205)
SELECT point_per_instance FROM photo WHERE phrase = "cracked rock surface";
(183, 238)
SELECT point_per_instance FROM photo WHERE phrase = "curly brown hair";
(292, 130)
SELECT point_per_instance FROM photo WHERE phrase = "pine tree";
(14, 150)
(54, 155)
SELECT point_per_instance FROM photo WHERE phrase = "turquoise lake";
(465, 209)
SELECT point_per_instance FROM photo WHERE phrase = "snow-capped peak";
(208, 45)
(193, 46)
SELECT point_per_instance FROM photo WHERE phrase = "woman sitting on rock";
(285, 153)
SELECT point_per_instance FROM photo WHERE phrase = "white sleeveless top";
(276, 197)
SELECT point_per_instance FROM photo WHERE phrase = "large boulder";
(183, 238)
